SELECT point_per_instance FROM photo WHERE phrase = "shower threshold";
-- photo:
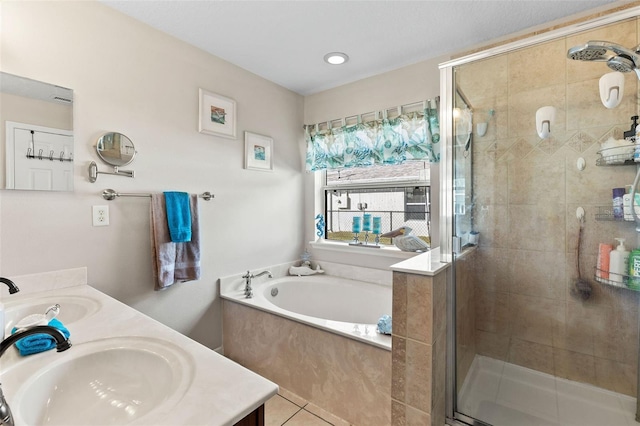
(504, 394)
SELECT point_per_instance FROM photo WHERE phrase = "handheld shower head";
(621, 63)
(623, 59)
(588, 52)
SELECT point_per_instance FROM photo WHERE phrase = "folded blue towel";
(39, 342)
(178, 216)
(384, 324)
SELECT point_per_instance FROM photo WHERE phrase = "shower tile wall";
(526, 194)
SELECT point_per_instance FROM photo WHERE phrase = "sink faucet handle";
(247, 275)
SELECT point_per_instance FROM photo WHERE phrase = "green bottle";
(634, 270)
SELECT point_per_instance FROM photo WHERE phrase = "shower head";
(621, 63)
(588, 52)
(623, 59)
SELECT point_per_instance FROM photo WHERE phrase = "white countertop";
(221, 392)
(423, 264)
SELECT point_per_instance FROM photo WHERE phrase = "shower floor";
(504, 394)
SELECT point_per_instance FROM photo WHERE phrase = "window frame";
(381, 184)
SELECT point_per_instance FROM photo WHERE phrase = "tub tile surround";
(345, 377)
(329, 372)
(527, 193)
(419, 343)
(219, 392)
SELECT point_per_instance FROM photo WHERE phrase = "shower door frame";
(453, 417)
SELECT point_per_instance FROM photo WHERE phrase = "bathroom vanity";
(123, 368)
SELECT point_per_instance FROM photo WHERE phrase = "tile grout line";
(297, 405)
(324, 420)
(293, 415)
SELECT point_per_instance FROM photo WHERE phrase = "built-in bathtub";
(315, 336)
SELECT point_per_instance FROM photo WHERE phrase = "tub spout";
(263, 273)
(248, 291)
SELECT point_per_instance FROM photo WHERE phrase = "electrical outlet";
(100, 215)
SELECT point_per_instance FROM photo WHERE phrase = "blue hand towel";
(39, 342)
(178, 216)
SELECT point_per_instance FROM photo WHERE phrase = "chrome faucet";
(248, 291)
(13, 288)
(62, 344)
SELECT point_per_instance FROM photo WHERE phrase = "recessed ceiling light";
(336, 58)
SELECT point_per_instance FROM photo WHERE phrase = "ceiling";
(285, 41)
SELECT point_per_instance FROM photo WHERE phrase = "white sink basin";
(72, 308)
(103, 382)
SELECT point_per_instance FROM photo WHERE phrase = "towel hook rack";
(110, 194)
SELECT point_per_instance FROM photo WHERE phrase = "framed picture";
(258, 152)
(217, 115)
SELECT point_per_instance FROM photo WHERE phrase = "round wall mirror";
(115, 149)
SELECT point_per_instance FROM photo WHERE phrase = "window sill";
(383, 251)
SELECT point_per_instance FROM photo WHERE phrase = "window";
(398, 194)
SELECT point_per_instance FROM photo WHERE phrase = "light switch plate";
(100, 215)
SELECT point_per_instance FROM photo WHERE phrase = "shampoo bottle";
(619, 263)
(626, 204)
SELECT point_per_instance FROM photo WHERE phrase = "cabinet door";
(255, 418)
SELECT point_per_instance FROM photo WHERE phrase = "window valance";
(412, 136)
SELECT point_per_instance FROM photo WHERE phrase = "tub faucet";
(13, 288)
(62, 344)
(248, 291)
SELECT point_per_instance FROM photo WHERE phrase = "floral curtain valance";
(414, 136)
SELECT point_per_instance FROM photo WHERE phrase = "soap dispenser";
(619, 262)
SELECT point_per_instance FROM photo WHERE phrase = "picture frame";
(217, 115)
(258, 152)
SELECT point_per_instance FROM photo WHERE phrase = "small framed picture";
(217, 115)
(258, 152)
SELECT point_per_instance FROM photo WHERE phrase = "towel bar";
(110, 194)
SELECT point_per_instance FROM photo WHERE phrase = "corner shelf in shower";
(605, 213)
(622, 277)
(617, 156)
(614, 157)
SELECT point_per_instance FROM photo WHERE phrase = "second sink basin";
(104, 382)
(72, 308)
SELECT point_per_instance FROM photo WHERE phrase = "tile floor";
(504, 394)
(289, 409)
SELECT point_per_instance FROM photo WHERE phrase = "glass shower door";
(529, 348)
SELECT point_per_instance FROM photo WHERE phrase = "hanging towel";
(173, 262)
(39, 342)
(178, 216)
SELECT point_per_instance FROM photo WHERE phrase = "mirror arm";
(94, 172)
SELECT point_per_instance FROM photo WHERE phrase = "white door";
(42, 158)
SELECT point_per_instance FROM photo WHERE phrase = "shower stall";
(526, 346)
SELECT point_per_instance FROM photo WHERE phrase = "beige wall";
(526, 194)
(135, 80)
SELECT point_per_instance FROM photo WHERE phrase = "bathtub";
(315, 336)
(338, 305)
